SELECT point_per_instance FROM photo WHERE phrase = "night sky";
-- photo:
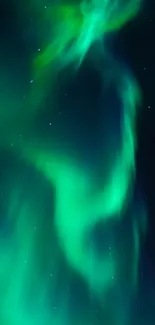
(140, 51)
(135, 46)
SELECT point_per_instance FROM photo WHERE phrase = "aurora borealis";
(74, 214)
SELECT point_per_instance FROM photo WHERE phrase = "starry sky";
(136, 45)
